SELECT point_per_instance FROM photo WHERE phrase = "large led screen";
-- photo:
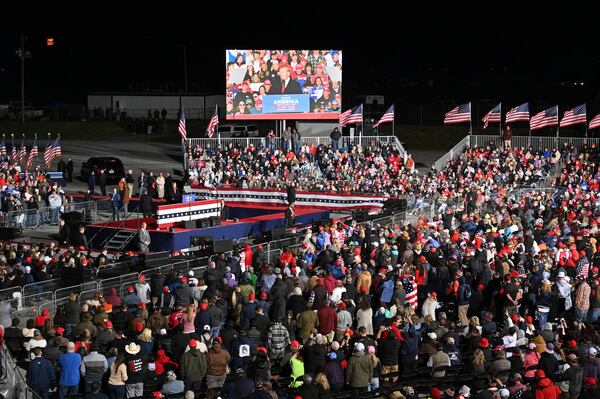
(283, 84)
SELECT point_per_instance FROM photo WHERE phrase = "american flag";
(48, 153)
(32, 154)
(495, 115)
(212, 124)
(2, 148)
(22, 153)
(387, 117)
(594, 123)
(410, 286)
(583, 267)
(352, 116)
(56, 149)
(182, 129)
(548, 117)
(460, 114)
(519, 113)
(574, 116)
(13, 152)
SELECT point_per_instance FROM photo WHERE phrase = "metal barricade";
(30, 304)
(9, 293)
(42, 286)
(77, 289)
(181, 268)
(25, 219)
(117, 283)
(87, 295)
(88, 209)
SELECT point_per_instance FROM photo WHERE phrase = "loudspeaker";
(72, 217)
(215, 221)
(189, 224)
(278, 233)
(8, 233)
(203, 223)
(223, 245)
(395, 205)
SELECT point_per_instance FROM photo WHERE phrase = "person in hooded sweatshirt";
(545, 388)
(360, 369)
(193, 366)
(216, 371)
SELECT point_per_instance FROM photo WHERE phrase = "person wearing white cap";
(360, 369)
(464, 392)
(172, 386)
(564, 292)
(504, 393)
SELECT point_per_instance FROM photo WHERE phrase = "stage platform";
(257, 221)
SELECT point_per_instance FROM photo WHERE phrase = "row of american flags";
(213, 124)
(52, 151)
(520, 113)
(355, 115)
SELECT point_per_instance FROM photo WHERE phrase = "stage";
(258, 221)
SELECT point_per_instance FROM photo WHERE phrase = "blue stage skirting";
(179, 239)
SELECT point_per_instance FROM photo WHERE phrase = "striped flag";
(13, 152)
(2, 148)
(352, 116)
(182, 129)
(460, 114)
(517, 114)
(23, 152)
(595, 122)
(48, 153)
(410, 286)
(56, 149)
(32, 154)
(574, 116)
(213, 124)
(548, 117)
(494, 115)
(387, 117)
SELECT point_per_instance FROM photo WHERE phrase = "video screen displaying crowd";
(316, 73)
(496, 296)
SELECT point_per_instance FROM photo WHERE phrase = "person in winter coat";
(545, 388)
(41, 375)
(193, 367)
(360, 369)
(430, 305)
(217, 360)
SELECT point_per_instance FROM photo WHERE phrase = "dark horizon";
(544, 62)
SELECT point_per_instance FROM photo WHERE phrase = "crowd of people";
(496, 297)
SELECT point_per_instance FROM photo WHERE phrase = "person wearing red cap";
(248, 311)
(40, 320)
(545, 389)
(143, 290)
(193, 365)
(430, 305)
(132, 299)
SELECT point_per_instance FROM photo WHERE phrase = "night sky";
(410, 60)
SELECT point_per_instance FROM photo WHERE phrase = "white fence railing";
(533, 142)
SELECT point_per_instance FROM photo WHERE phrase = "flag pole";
(586, 125)
(557, 125)
(362, 125)
(394, 121)
(470, 119)
(500, 124)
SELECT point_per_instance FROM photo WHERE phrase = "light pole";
(23, 54)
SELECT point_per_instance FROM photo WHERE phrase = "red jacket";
(546, 389)
(327, 319)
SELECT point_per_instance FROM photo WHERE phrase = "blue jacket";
(69, 369)
(40, 373)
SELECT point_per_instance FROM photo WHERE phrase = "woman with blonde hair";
(146, 341)
(323, 384)
(188, 319)
(430, 305)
